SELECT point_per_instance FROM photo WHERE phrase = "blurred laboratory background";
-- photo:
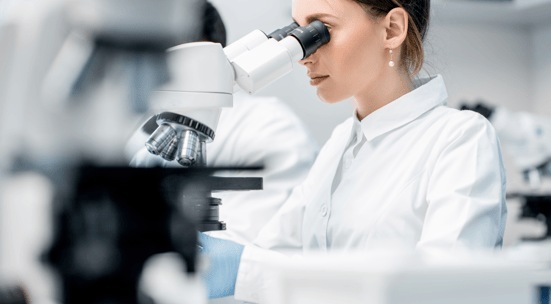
(492, 52)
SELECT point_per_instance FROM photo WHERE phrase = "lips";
(317, 80)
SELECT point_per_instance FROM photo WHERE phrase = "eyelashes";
(326, 25)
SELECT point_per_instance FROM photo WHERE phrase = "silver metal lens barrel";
(202, 155)
(169, 152)
(162, 136)
(188, 148)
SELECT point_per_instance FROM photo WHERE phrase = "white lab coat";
(414, 173)
(257, 130)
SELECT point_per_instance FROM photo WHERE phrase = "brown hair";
(213, 25)
(418, 10)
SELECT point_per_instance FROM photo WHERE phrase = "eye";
(326, 24)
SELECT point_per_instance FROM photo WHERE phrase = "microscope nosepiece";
(161, 138)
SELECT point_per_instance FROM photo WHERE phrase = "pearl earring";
(391, 63)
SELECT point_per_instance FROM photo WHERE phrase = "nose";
(309, 60)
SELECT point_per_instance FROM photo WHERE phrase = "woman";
(405, 169)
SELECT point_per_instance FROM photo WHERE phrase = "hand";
(224, 258)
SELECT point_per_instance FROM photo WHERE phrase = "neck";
(382, 91)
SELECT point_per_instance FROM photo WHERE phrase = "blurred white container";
(389, 278)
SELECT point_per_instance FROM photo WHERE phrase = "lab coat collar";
(428, 93)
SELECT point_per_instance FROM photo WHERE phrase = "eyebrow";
(314, 17)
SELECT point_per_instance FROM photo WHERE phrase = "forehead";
(303, 9)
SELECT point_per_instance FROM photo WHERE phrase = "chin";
(327, 97)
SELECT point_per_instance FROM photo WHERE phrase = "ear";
(396, 24)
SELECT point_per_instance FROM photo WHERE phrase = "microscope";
(78, 73)
(204, 77)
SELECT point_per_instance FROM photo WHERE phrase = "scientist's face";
(354, 57)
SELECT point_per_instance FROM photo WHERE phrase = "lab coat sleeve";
(282, 233)
(466, 188)
(254, 279)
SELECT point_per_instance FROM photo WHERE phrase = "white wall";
(541, 45)
(487, 61)
(5, 6)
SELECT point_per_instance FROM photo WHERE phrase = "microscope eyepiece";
(272, 59)
(311, 37)
(281, 33)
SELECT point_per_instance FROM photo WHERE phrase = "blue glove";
(224, 257)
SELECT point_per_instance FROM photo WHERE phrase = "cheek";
(355, 58)
(332, 92)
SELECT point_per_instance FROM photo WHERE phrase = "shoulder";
(454, 129)
(458, 123)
